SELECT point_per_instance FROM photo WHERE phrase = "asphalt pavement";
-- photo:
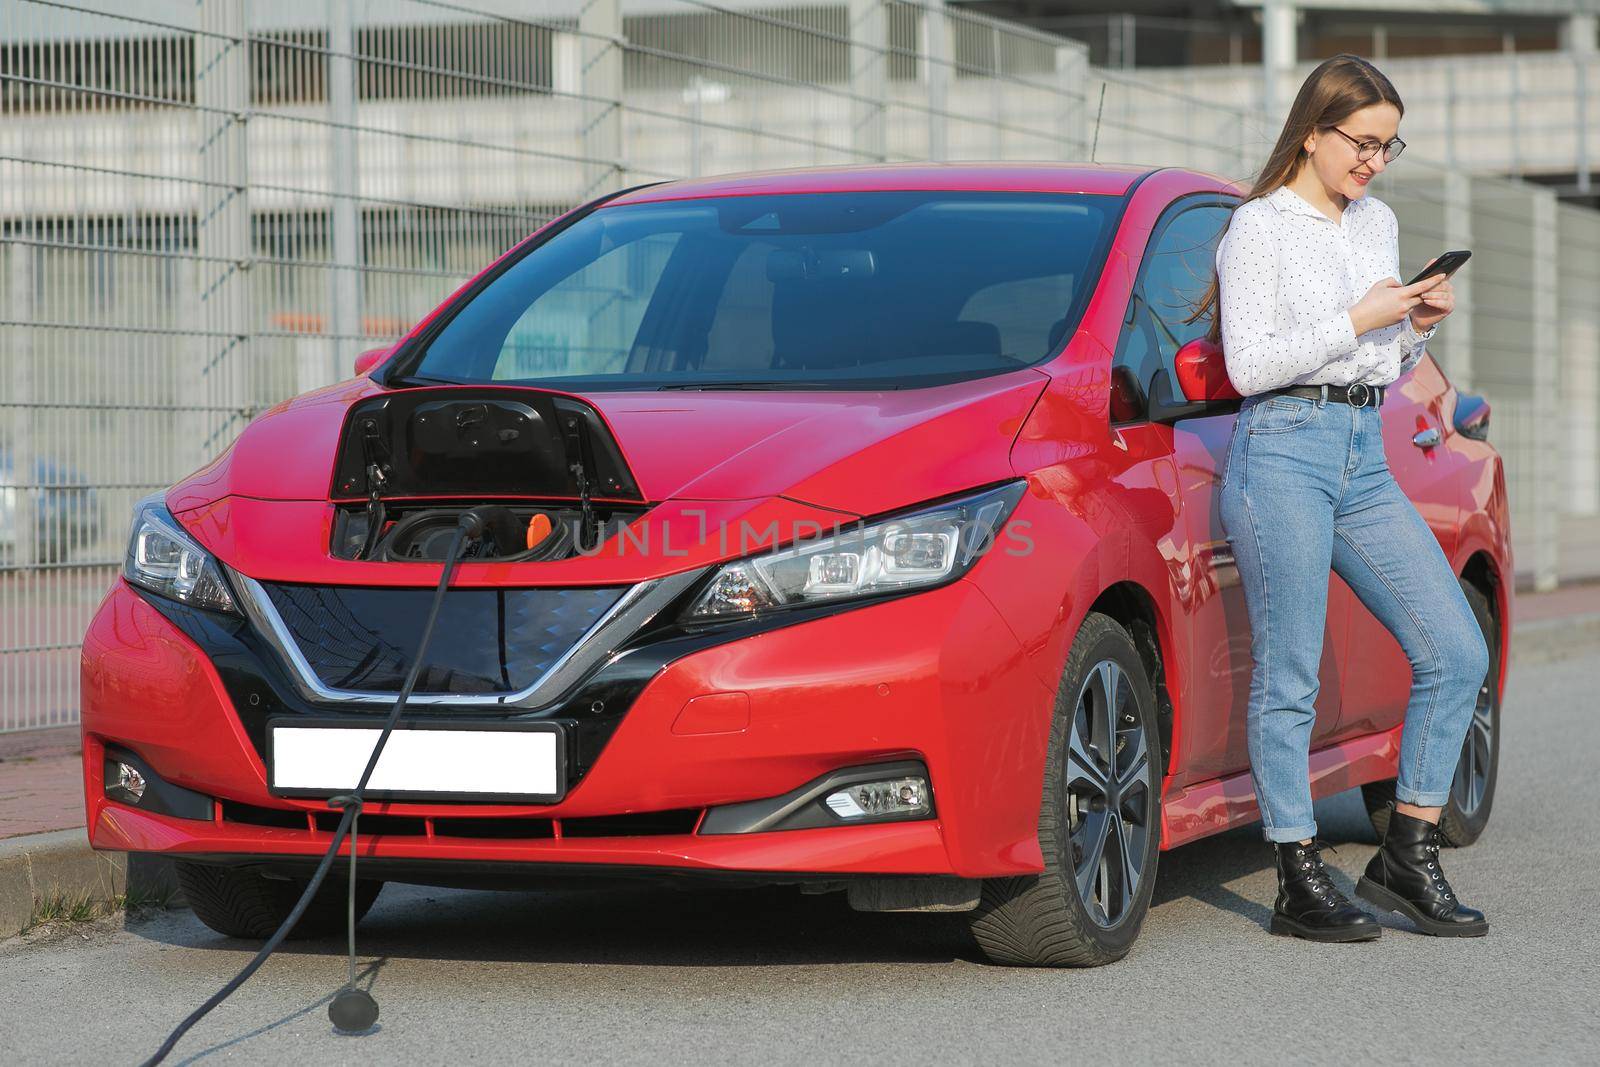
(771, 976)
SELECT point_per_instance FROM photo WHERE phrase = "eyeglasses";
(1365, 150)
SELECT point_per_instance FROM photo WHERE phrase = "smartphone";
(1446, 264)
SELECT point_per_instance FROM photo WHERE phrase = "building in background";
(1509, 87)
(1182, 33)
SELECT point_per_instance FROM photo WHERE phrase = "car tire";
(240, 902)
(1079, 913)
(1472, 793)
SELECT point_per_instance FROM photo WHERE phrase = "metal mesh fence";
(207, 207)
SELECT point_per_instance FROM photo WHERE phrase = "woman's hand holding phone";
(1437, 301)
(1387, 302)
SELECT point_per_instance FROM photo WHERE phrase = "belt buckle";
(1365, 394)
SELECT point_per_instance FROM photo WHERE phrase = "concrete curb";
(1552, 639)
(37, 867)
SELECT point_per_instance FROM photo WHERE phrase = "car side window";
(1173, 277)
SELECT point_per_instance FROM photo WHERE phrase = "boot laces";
(1435, 871)
(1317, 878)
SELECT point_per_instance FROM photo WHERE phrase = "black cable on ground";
(469, 526)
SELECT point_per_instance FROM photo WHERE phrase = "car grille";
(487, 641)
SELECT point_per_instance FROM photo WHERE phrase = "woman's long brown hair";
(1337, 89)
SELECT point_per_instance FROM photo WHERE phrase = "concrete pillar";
(997, 96)
(344, 288)
(937, 60)
(600, 81)
(1514, 63)
(566, 63)
(1581, 77)
(697, 143)
(1578, 323)
(1072, 111)
(869, 78)
(1450, 118)
(1128, 42)
(1457, 329)
(1578, 33)
(1278, 53)
(1547, 470)
(222, 231)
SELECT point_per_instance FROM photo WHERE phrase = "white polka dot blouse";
(1288, 274)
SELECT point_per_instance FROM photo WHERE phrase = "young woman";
(1314, 323)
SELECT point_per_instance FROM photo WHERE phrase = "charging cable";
(352, 1008)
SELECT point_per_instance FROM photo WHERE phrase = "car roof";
(1042, 176)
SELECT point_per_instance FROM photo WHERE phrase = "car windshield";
(817, 290)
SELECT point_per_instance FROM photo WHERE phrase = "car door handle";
(1426, 438)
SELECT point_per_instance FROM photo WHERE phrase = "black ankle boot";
(1405, 876)
(1309, 905)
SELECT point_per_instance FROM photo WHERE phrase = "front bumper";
(935, 676)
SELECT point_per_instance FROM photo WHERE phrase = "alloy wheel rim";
(1472, 769)
(1110, 780)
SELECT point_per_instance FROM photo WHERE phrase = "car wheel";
(1472, 793)
(240, 902)
(1099, 820)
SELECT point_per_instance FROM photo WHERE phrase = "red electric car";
(851, 526)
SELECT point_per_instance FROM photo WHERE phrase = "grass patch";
(61, 907)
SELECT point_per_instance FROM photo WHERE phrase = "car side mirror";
(1202, 375)
(1472, 416)
(1198, 385)
(371, 358)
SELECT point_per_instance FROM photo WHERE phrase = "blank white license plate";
(458, 762)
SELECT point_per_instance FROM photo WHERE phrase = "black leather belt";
(1357, 394)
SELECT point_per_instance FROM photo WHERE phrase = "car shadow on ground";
(655, 926)
(647, 926)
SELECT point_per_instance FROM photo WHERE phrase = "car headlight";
(919, 548)
(165, 560)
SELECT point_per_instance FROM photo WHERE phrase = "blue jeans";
(1307, 486)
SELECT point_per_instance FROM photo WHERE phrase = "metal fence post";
(1546, 409)
(345, 284)
(222, 230)
(20, 294)
(600, 23)
(869, 81)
